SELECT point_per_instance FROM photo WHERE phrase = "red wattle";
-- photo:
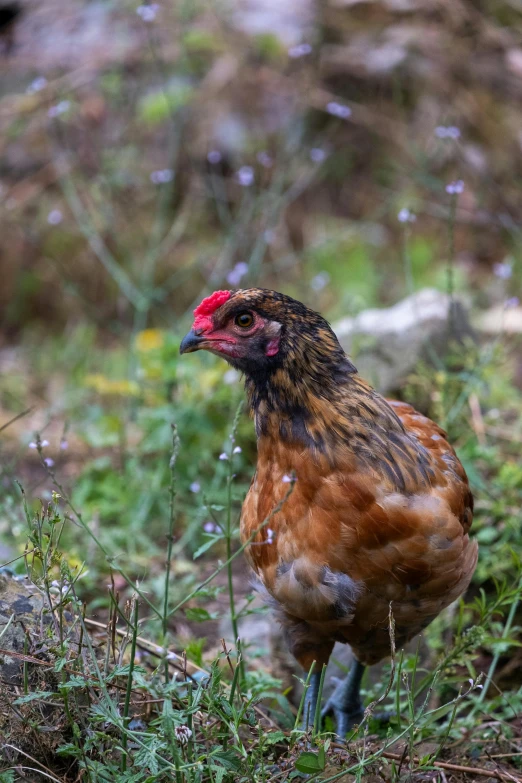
(272, 347)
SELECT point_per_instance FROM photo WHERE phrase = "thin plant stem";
(450, 271)
(228, 538)
(317, 716)
(170, 539)
(25, 668)
(134, 625)
(398, 689)
(406, 259)
(303, 697)
(15, 418)
(235, 678)
(496, 657)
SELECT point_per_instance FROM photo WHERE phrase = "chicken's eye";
(244, 320)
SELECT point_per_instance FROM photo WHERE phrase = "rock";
(500, 320)
(386, 344)
(291, 22)
(33, 729)
(21, 607)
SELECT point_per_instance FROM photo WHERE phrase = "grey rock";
(386, 344)
(500, 320)
(290, 21)
(21, 608)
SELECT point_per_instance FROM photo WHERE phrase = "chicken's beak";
(191, 342)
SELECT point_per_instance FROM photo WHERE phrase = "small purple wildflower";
(265, 159)
(64, 445)
(162, 176)
(209, 527)
(233, 278)
(195, 487)
(54, 217)
(503, 270)
(238, 272)
(513, 301)
(288, 479)
(317, 155)
(447, 132)
(214, 156)
(37, 84)
(49, 462)
(320, 281)
(405, 216)
(148, 12)
(301, 50)
(270, 535)
(59, 108)
(223, 456)
(183, 734)
(338, 110)
(456, 187)
(245, 176)
(32, 445)
(237, 450)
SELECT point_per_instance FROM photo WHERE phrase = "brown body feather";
(399, 538)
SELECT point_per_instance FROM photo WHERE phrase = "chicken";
(380, 510)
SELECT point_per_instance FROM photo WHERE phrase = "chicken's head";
(237, 327)
(260, 331)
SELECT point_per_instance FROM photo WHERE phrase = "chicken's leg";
(345, 702)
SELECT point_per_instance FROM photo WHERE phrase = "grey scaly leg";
(345, 702)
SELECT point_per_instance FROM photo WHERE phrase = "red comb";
(212, 302)
(208, 306)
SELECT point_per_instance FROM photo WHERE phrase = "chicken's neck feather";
(315, 393)
(315, 399)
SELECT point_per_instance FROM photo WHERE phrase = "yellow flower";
(75, 563)
(105, 385)
(149, 340)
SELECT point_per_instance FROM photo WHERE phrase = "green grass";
(128, 717)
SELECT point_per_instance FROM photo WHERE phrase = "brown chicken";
(380, 510)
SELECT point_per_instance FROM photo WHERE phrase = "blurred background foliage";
(347, 153)
(145, 154)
